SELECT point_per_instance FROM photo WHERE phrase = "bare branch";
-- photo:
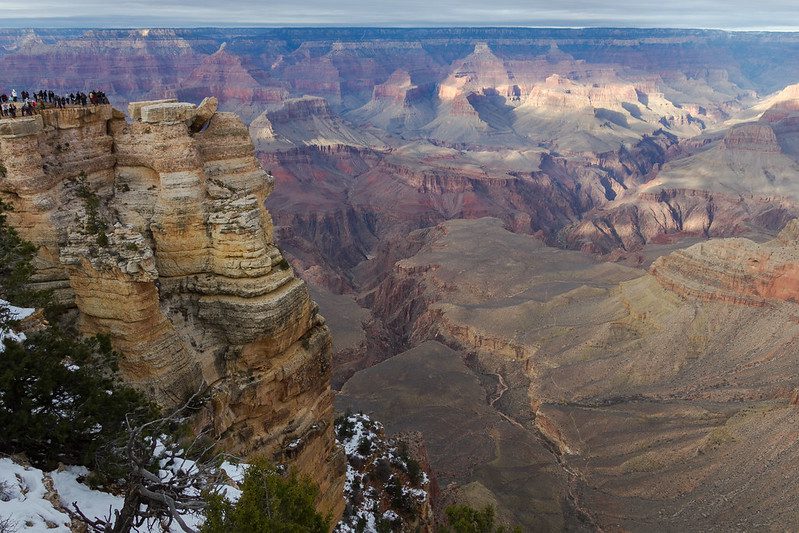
(172, 491)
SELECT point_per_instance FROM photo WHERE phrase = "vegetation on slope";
(61, 399)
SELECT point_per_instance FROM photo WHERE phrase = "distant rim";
(64, 24)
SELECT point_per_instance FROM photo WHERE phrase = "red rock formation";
(395, 88)
(223, 75)
(736, 271)
(752, 136)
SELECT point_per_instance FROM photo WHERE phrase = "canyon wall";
(665, 397)
(574, 134)
(156, 231)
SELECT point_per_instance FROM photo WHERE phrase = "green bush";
(465, 519)
(270, 502)
(60, 399)
(345, 428)
(16, 267)
(365, 446)
(414, 471)
(91, 202)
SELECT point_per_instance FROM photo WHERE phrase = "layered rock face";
(669, 404)
(157, 231)
(735, 270)
(757, 137)
(574, 95)
(742, 181)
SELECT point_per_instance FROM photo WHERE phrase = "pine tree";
(60, 396)
(16, 266)
(270, 502)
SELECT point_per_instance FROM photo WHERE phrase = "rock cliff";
(737, 271)
(156, 231)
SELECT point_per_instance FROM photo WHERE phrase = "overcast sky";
(727, 14)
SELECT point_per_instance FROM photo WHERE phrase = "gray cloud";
(729, 14)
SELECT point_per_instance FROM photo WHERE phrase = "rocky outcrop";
(754, 136)
(299, 109)
(156, 230)
(478, 70)
(225, 75)
(737, 271)
(306, 121)
(397, 104)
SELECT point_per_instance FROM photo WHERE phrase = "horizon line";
(311, 26)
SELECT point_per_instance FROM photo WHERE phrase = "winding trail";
(502, 388)
(575, 478)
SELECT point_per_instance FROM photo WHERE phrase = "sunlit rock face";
(156, 230)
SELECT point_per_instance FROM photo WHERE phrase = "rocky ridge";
(156, 231)
(737, 271)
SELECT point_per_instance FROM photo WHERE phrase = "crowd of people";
(26, 103)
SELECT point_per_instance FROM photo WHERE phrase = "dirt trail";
(501, 389)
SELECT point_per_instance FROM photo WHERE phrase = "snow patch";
(14, 313)
(23, 500)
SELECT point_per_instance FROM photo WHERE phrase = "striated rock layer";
(667, 397)
(156, 231)
(738, 271)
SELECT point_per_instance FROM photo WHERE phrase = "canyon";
(567, 259)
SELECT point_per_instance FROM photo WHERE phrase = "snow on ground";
(23, 500)
(92, 503)
(365, 446)
(14, 313)
(29, 506)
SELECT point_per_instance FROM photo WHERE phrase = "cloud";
(729, 14)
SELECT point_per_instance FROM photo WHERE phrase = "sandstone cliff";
(156, 231)
(737, 271)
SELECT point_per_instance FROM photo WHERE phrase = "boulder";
(134, 108)
(205, 111)
(171, 112)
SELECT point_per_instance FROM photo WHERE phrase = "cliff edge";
(156, 231)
